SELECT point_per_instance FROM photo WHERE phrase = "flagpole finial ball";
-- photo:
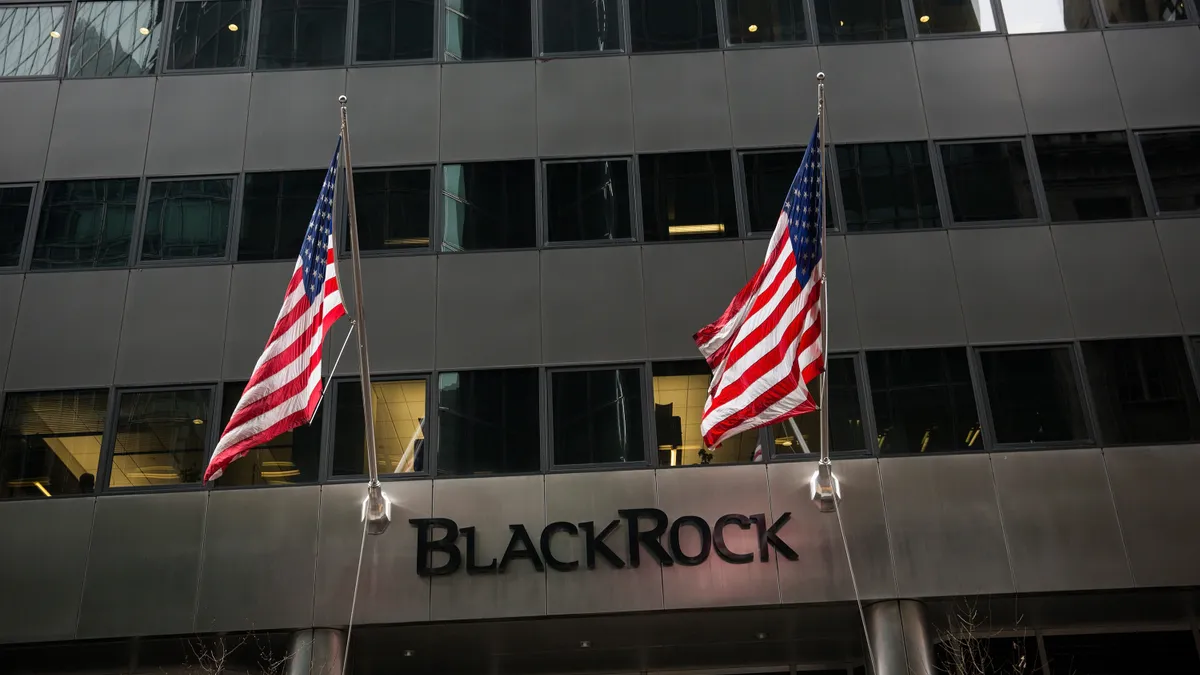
(342, 99)
(820, 77)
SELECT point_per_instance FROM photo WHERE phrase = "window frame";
(1139, 169)
(60, 64)
(351, 34)
(1104, 24)
(547, 382)
(1147, 181)
(867, 413)
(543, 215)
(253, 10)
(143, 213)
(940, 188)
(1035, 183)
(623, 44)
(906, 14)
(831, 187)
(986, 418)
(27, 234)
(723, 31)
(160, 61)
(1002, 21)
(437, 231)
(441, 42)
(108, 448)
(352, 23)
(31, 231)
(333, 390)
(740, 208)
(341, 214)
(915, 34)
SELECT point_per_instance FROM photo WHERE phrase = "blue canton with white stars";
(803, 208)
(314, 254)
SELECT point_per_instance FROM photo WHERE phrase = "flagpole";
(377, 507)
(825, 490)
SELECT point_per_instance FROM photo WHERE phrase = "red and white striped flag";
(285, 388)
(766, 347)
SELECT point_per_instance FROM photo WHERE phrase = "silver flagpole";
(825, 489)
(377, 508)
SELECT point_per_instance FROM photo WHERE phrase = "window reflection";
(209, 34)
(588, 201)
(754, 21)
(923, 400)
(400, 418)
(161, 438)
(395, 30)
(988, 182)
(187, 219)
(860, 20)
(302, 33)
(688, 195)
(1041, 16)
(597, 416)
(488, 422)
(276, 208)
(488, 205)
(14, 213)
(30, 38)
(1033, 396)
(673, 25)
(887, 186)
(1143, 653)
(1144, 11)
(1143, 390)
(845, 415)
(50, 442)
(87, 223)
(1089, 176)
(290, 458)
(954, 16)
(393, 209)
(1174, 163)
(115, 38)
(488, 29)
(581, 26)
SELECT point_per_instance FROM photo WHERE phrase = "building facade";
(554, 196)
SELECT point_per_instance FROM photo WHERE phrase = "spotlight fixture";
(233, 27)
(753, 28)
(925, 19)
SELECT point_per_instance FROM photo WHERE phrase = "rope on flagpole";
(333, 370)
(862, 615)
(354, 597)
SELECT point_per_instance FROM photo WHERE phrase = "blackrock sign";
(644, 527)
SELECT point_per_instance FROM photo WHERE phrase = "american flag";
(285, 388)
(766, 347)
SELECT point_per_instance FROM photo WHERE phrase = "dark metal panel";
(592, 305)
(584, 107)
(491, 505)
(872, 93)
(771, 103)
(394, 114)
(144, 565)
(488, 310)
(174, 328)
(596, 497)
(389, 590)
(821, 574)
(67, 331)
(1157, 502)
(843, 323)
(1000, 306)
(1104, 261)
(1059, 521)
(969, 88)
(43, 556)
(199, 125)
(939, 509)
(679, 102)
(1180, 239)
(923, 310)
(10, 301)
(400, 296)
(1157, 74)
(711, 492)
(26, 117)
(294, 119)
(687, 287)
(1066, 83)
(260, 550)
(488, 111)
(256, 292)
(101, 128)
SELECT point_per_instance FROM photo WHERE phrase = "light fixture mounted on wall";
(753, 28)
(925, 18)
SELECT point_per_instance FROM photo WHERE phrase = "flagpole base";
(826, 490)
(376, 509)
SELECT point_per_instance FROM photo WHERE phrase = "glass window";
(290, 458)
(30, 38)
(845, 415)
(115, 37)
(1036, 16)
(1174, 162)
(753, 21)
(399, 414)
(488, 422)
(161, 438)
(680, 390)
(581, 26)
(1156, 653)
(597, 416)
(1017, 655)
(302, 33)
(86, 223)
(859, 20)
(209, 34)
(488, 29)
(588, 201)
(395, 30)
(50, 442)
(276, 208)
(673, 25)
(1033, 395)
(1089, 176)
(488, 205)
(187, 219)
(954, 16)
(688, 195)
(923, 400)
(768, 178)
(14, 213)
(1143, 390)
(887, 186)
(393, 209)
(1144, 11)
(988, 182)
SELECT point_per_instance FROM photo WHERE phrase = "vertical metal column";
(898, 631)
(316, 651)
